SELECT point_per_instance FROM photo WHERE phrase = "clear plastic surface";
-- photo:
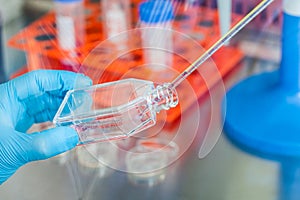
(113, 110)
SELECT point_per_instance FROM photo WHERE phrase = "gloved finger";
(52, 142)
(42, 103)
(44, 116)
(28, 120)
(44, 108)
(36, 110)
(38, 82)
(13, 148)
(23, 124)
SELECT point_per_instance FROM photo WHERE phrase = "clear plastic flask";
(114, 110)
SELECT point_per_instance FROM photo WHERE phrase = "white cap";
(291, 7)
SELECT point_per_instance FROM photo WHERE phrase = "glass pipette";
(117, 110)
(225, 38)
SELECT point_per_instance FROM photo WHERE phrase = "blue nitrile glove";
(34, 98)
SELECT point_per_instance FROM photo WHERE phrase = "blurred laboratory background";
(222, 142)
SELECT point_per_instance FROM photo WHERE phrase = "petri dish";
(147, 162)
(97, 157)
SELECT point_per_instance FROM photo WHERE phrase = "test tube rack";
(40, 43)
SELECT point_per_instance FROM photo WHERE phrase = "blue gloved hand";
(28, 99)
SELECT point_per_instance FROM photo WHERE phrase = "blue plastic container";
(263, 112)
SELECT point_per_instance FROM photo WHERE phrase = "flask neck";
(163, 97)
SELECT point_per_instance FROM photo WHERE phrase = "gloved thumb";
(52, 142)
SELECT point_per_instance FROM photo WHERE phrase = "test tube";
(224, 8)
(70, 24)
(116, 19)
(156, 23)
(190, 11)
